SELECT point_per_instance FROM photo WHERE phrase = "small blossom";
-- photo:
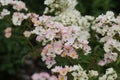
(50, 35)
(17, 18)
(27, 33)
(101, 63)
(62, 77)
(63, 71)
(19, 5)
(7, 32)
(93, 73)
(73, 54)
(4, 13)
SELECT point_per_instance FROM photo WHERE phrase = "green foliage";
(97, 7)
(12, 51)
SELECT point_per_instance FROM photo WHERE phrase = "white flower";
(5, 2)
(47, 2)
(27, 33)
(19, 5)
(17, 18)
(38, 31)
(50, 63)
(92, 73)
(4, 13)
(110, 78)
(104, 77)
(110, 71)
(109, 75)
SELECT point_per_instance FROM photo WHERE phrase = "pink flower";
(36, 76)
(56, 69)
(69, 69)
(40, 38)
(18, 5)
(7, 32)
(65, 53)
(44, 52)
(62, 77)
(58, 50)
(64, 30)
(49, 46)
(58, 44)
(44, 75)
(48, 58)
(63, 71)
(50, 63)
(87, 49)
(73, 54)
(101, 63)
(65, 36)
(67, 46)
(46, 48)
(51, 25)
(36, 21)
(58, 47)
(50, 34)
(110, 57)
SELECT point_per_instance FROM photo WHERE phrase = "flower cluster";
(66, 16)
(109, 27)
(108, 58)
(17, 18)
(59, 6)
(4, 13)
(79, 73)
(76, 71)
(109, 75)
(17, 5)
(63, 40)
(64, 34)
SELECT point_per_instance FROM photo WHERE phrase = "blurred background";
(19, 56)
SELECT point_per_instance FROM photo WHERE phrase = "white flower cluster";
(109, 27)
(76, 71)
(59, 5)
(18, 17)
(69, 16)
(4, 13)
(108, 58)
(110, 43)
(5, 2)
(109, 75)
(92, 73)
(80, 74)
(17, 5)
